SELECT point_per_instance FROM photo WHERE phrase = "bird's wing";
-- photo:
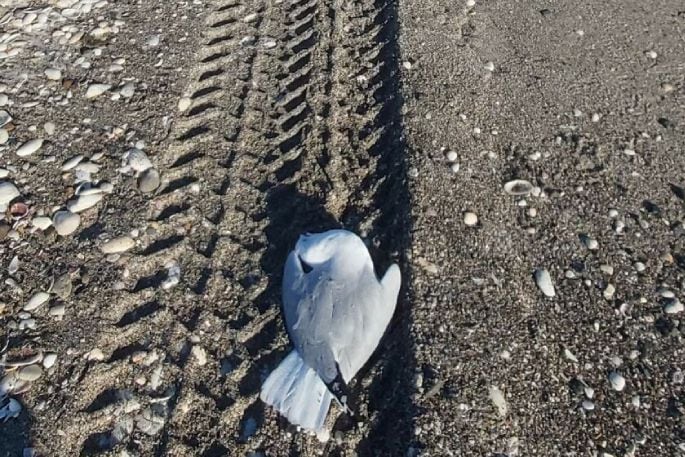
(308, 309)
(335, 323)
(377, 306)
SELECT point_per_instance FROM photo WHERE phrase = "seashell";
(518, 187)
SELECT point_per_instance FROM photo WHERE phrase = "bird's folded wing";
(335, 323)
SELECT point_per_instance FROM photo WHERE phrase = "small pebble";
(666, 87)
(640, 267)
(49, 360)
(95, 354)
(490, 66)
(588, 405)
(617, 381)
(62, 286)
(570, 356)
(674, 306)
(184, 104)
(49, 128)
(200, 355)
(470, 218)
(57, 310)
(544, 282)
(53, 74)
(451, 156)
(497, 398)
(665, 293)
(14, 265)
(607, 269)
(595, 117)
(252, 17)
(619, 226)
(4, 136)
(609, 291)
(153, 41)
(590, 243)
(149, 181)
(128, 90)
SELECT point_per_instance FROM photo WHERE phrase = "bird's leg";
(341, 392)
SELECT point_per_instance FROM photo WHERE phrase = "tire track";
(293, 125)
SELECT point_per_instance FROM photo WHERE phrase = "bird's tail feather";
(298, 393)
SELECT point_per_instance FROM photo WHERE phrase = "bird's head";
(343, 248)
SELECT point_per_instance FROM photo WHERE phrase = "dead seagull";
(336, 311)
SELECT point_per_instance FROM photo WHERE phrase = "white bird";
(336, 311)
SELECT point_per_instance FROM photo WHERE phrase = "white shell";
(118, 245)
(29, 147)
(37, 300)
(518, 187)
(136, 160)
(83, 202)
(8, 192)
(66, 222)
(5, 118)
(71, 163)
(95, 90)
(544, 282)
(49, 360)
(42, 222)
(618, 382)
